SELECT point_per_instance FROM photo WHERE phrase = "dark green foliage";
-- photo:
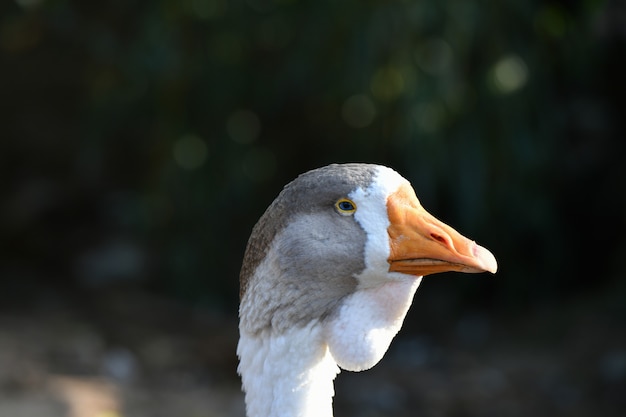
(151, 135)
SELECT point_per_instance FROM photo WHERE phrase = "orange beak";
(423, 245)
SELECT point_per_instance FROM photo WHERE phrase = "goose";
(328, 275)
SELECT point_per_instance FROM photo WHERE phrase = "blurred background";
(141, 140)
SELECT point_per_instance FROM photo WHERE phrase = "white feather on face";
(360, 332)
(371, 214)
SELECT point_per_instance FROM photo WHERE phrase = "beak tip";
(486, 259)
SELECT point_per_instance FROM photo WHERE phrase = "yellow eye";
(345, 206)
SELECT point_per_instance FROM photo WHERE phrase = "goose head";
(328, 275)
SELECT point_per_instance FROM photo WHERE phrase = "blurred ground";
(133, 355)
(123, 355)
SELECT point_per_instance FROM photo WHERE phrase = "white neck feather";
(368, 320)
(287, 375)
(291, 374)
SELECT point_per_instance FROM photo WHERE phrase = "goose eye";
(345, 206)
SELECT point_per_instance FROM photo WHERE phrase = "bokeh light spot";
(551, 20)
(358, 111)
(387, 84)
(261, 6)
(27, 4)
(259, 164)
(429, 117)
(19, 34)
(208, 9)
(434, 56)
(509, 74)
(274, 33)
(243, 126)
(227, 48)
(190, 152)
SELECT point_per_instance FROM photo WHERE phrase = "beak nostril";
(438, 238)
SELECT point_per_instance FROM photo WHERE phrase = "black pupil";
(346, 205)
